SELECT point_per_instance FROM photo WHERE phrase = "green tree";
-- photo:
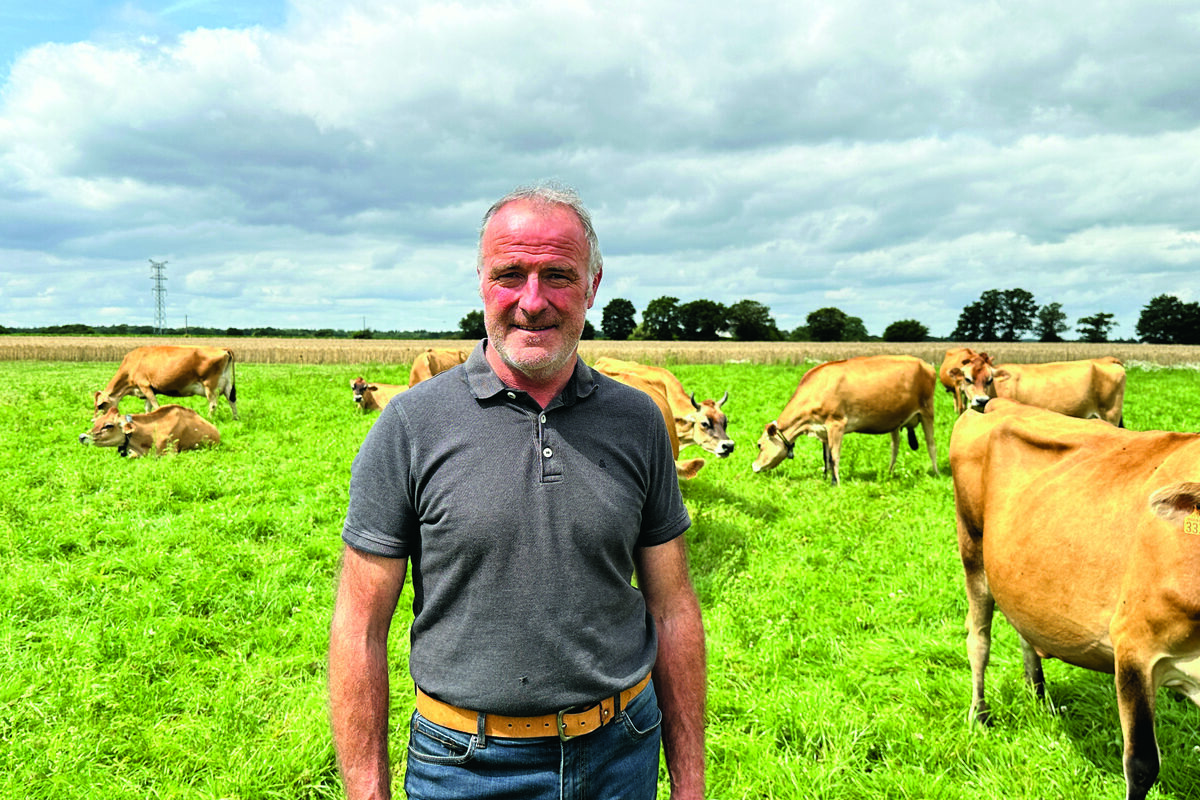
(1168, 320)
(1051, 323)
(827, 324)
(1017, 315)
(472, 326)
(589, 330)
(1096, 327)
(751, 321)
(701, 320)
(905, 330)
(660, 320)
(618, 320)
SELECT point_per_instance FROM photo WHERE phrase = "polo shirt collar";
(485, 383)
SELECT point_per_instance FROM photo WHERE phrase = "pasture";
(164, 620)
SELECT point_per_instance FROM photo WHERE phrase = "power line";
(160, 295)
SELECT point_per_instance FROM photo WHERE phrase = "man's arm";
(368, 591)
(680, 673)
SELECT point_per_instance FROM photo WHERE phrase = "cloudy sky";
(324, 163)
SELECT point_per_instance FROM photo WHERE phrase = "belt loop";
(481, 725)
(616, 705)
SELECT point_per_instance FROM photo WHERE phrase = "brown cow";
(374, 396)
(687, 468)
(1093, 388)
(431, 362)
(1079, 532)
(956, 357)
(171, 427)
(173, 370)
(868, 394)
(702, 423)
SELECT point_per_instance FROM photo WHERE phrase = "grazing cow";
(702, 423)
(1085, 537)
(174, 370)
(374, 396)
(687, 468)
(171, 427)
(958, 357)
(868, 394)
(1093, 388)
(431, 362)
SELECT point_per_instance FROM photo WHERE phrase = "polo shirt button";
(542, 419)
(547, 452)
(512, 396)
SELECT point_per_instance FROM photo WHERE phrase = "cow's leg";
(1135, 702)
(930, 440)
(895, 451)
(148, 395)
(834, 432)
(826, 460)
(981, 607)
(1033, 669)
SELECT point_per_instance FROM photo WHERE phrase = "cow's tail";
(912, 437)
(232, 396)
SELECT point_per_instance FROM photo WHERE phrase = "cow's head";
(706, 427)
(109, 430)
(773, 448)
(976, 380)
(359, 386)
(102, 403)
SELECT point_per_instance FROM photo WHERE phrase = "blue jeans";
(617, 762)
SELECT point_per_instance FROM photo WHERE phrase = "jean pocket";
(434, 744)
(642, 717)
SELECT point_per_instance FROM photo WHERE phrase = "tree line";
(1007, 315)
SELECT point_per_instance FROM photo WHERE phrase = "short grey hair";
(550, 194)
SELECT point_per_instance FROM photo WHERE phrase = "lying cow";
(702, 423)
(374, 396)
(1093, 388)
(958, 357)
(687, 468)
(1081, 533)
(169, 427)
(173, 370)
(868, 394)
(433, 362)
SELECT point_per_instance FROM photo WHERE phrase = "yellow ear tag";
(1192, 523)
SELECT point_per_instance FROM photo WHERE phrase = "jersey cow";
(1084, 535)
(868, 394)
(1093, 388)
(431, 362)
(958, 357)
(169, 427)
(702, 423)
(174, 370)
(686, 468)
(374, 396)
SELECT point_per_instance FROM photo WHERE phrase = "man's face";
(533, 279)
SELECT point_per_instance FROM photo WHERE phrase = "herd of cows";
(1085, 534)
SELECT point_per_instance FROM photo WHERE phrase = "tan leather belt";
(565, 724)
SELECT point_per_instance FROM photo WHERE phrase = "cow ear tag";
(1192, 523)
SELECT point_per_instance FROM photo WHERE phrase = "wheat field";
(402, 351)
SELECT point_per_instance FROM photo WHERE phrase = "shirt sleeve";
(381, 518)
(664, 516)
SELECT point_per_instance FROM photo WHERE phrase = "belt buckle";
(562, 728)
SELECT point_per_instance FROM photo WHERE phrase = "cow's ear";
(1177, 502)
(772, 429)
(127, 426)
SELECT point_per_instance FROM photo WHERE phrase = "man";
(526, 490)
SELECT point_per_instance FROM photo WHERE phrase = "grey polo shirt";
(520, 527)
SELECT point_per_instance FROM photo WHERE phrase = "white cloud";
(893, 160)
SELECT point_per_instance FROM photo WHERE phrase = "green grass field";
(164, 620)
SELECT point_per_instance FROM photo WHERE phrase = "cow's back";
(1083, 389)
(873, 394)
